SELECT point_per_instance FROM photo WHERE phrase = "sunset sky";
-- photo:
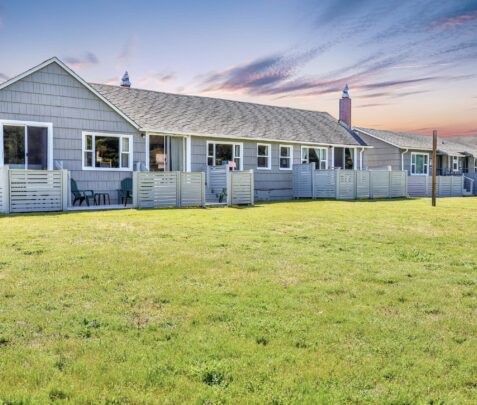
(410, 65)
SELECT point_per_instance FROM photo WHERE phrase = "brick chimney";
(345, 108)
(125, 80)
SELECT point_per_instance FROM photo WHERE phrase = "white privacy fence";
(447, 186)
(33, 190)
(240, 187)
(347, 184)
(168, 189)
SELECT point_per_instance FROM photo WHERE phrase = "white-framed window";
(225, 153)
(107, 152)
(286, 157)
(26, 145)
(419, 164)
(315, 155)
(264, 156)
(455, 164)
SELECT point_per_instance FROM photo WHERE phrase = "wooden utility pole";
(434, 166)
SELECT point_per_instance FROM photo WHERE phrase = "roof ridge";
(212, 98)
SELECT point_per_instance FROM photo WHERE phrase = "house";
(413, 152)
(50, 118)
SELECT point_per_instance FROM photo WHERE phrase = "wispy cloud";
(155, 80)
(466, 16)
(371, 105)
(81, 62)
(259, 76)
(127, 51)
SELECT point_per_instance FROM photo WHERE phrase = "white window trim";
(187, 149)
(107, 169)
(268, 156)
(428, 164)
(318, 148)
(47, 125)
(240, 144)
(280, 156)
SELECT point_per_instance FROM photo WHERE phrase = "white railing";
(34, 190)
(347, 184)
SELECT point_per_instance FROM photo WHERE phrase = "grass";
(300, 302)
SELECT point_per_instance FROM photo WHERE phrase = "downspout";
(402, 158)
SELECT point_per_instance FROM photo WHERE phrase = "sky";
(411, 65)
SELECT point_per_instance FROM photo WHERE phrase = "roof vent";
(125, 80)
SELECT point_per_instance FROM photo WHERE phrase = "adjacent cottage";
(413, 152)
(50, 118)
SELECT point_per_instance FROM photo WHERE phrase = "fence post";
(4, 179)
(252, 188)
(178, 188)
(135, 190)
(337, 183)
(202, 188)
(65, 189)
(389, 184)
(229, 187)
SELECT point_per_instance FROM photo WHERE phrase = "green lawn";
(299, 302)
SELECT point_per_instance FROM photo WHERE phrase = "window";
(108, 152)
(315, 155)
(26, 145)
(419, 164)
(455, 164)
(264, 156)
(286, 157)
(223, 153)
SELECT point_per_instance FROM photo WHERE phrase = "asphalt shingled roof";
(406, 140)
(195, 115)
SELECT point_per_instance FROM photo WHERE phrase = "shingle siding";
(52, 95)
(274, 184)
(382, 153)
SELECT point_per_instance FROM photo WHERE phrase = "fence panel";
(446, 186)
(157, 189)
(417, 186)
(398, 184)
(457, 186)
(37, 190)
(241, 187)
(379, 184)
(324, 184)
(216, 182)
(362, 184)
(303, 180)
(346, 185)
(192, 189)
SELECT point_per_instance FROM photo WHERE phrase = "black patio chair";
(81, 195)
(126, 191)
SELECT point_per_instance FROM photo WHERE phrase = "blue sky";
(411, 65)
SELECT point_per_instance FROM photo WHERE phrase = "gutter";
(282, 141)
(402, 158)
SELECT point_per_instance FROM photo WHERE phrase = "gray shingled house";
(413, 152)
(51, 118)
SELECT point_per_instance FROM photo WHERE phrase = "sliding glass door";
(165, 153)
(25, 147)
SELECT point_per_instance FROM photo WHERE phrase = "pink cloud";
(457, 21)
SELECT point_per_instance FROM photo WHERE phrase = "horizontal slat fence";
(241, 188)
(169, 189)
(447, 186)
(348, 184)
(38, 190)
(4, 200)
